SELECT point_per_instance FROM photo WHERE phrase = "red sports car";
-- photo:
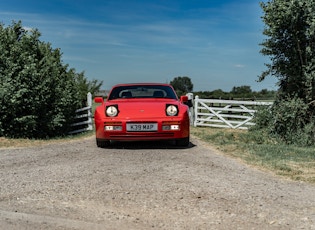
(138, 112)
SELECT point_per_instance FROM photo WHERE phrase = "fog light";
(174, 127)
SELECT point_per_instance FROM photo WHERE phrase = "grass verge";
(257, 149)
(20, 143)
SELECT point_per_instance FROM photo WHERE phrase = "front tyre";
(183, 142)
(102, 143)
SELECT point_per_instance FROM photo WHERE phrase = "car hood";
(139, 108)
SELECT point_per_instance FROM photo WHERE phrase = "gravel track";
(150, 185)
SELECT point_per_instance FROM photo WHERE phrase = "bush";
(290, 121)
(287, 120)
(262, 118)
(38, 94)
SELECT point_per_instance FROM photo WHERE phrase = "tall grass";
(258, 149)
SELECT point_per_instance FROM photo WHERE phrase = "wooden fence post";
(196, 110)
(89, 104)
(191, 108)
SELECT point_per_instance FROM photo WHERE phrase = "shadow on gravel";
(147, 145)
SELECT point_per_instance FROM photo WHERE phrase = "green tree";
(290, 44)
(182, 85)
(38, 93)
(241, 91)
(85, 86)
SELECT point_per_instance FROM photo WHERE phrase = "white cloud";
(239, 66)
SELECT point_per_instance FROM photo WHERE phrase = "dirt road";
(76, 185)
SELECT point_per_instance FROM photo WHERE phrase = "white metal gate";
(225, 113)
(84, 117)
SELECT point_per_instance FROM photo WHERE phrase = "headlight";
(112, 111)
(171, 110)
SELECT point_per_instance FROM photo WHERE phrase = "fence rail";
(225, 113)
(83, 117)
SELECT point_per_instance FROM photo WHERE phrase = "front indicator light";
(170, 127)
(113, 128)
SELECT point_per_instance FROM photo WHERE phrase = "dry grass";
(20, 143)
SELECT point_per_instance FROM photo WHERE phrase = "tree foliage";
(85, 86)
(38, 93)
(290, 44)
(238, 93)
(182, 85)
(240, 90)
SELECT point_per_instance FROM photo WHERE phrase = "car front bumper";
(112, 129)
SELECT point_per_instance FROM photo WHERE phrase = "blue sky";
(214, 42)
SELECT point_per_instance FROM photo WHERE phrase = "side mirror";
(99, 100)
(183, 99)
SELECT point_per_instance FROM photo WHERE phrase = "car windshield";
(142, 91)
